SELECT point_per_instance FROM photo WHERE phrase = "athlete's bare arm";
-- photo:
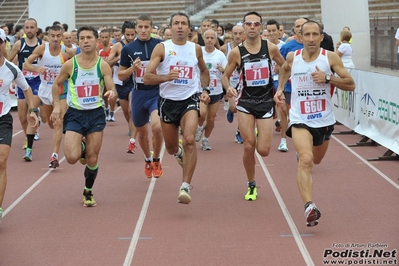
(204, 75)
(36, 54)
(275, 54)
(345, 81)
(115, 53)
(233, 62)
(150, 76)
(126, 72)
(284, 74)
(14, 51)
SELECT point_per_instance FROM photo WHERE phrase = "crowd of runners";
(169, 81)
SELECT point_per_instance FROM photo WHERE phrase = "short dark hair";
(88, 28)
(252, 13)
(55, 28)
(128, 25)
(144, 17)
(228, 26)
(65, 26)
(179, 13)
(273, 22)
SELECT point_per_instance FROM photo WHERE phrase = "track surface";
(139, 222)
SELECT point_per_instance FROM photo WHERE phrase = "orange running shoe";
(131, 148)
(148, 169)
(157, 169)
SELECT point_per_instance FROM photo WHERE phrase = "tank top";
(183, 58)
(85, 86)
(211, 61)
(53, 65)
(256, 88)
(235, 76)
(24, 52)
(117, 81)
(311, 102)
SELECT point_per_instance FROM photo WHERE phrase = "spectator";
(345, 49)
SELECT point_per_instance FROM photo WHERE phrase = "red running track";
(139, 222)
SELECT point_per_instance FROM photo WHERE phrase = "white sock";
(185, 185)
(55, 155)
(283, 140)
(132, 140)
(204, 138)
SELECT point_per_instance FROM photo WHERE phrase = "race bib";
(140, 72)
(256, 73)
(313, 106)
(1, 108)
(185, 75)
(29, 74)
(49, 77)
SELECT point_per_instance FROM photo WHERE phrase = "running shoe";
(53, 162)
(312, 215)
(148, 169)
(37, 136)
(229, 116)
(131, 148)
(28, 155)
(184, 196)
(111, 117)
(199, 133)
(283, 147)
(278, 126)
(238, 137)
(82, 158)
(205, 145)
(252, 193)
(25, 144)
(88, 200)
(157, 169)
(179, 158)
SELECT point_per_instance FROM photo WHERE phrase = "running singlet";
(212, 60)
(8, 73)
(311, 102)
(184, 59)
(117, 81)
(85, 86)
(53, 65)
(235, 76)
(24, 52)
(257, 84)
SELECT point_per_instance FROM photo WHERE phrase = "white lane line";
(367, 163)
(294, 230)
(140, 221)
(17, 133)
(15, 203)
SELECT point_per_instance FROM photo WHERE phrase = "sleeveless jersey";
(85, 86)
(117, 81)
(183, 58)
(53, 65)
(104, 54)
(24, 52)
(212, 60)
(8, 73)
(256, 88)
(311, 102)
(275, 75)
(235, 76)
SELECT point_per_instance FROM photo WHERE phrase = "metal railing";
(195, 6)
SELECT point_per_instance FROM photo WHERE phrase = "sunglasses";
(250, 23)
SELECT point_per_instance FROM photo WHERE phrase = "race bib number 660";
(313, 106)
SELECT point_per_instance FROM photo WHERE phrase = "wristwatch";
(207, 89)
(328, 78)
(35, 110)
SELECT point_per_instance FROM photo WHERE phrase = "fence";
(382, 39)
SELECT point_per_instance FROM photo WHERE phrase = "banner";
(372, 109)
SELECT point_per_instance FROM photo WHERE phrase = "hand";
(231, 92)
(205, 97)
(111, 95)
(279, 98)
(56, 114)
(41, 70)
(137, 64)
(33, 117)
(220, 68)
(173, 75)
(319, 76)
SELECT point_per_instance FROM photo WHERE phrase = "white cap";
(2, 35)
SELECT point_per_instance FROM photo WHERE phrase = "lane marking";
(367, 163)
(17, 133)
(15, 203)
(294, 230)
(140, 221)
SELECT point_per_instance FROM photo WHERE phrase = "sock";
(55, 155)
(201, 127)
(90, 175)
(283, 140)
(307, 204)
(156, 159)
(30, 138)
(111, 113)
(132, 140)
(185, 186)
(149, 159)
(253, 183)
(204, 138)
